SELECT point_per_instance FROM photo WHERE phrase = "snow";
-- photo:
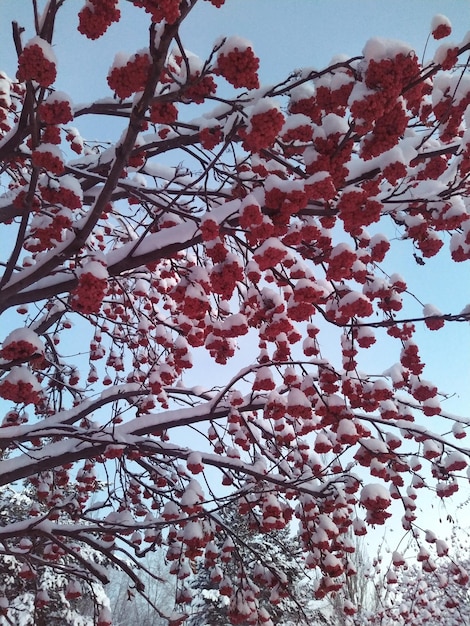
(374, 491)
(429, 310)
(302, 92)
(441, 52)
(27, 335)
(93, 267)
(22, 374)
(378, 48)
(46, 48)
(440, 20)
(232, 43)
(59, 96)
(50, 148)
(333, 123)
(263, 105)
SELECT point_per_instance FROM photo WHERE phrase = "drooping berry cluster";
(97, 16)
(210, 137)
(263, 128)
(168, 10)
(237, 63)
(198, 88)
(21, 386)
(49, 157)
(440, 27)
(163, 113)
(66, 193)
(91, 289)
(22, 344)
(37, 62)
(57, 109)
(130, 77)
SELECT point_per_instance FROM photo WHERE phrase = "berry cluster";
(210, 137)
(91, 289)
(96, 17)
(198, 88)
(37, 62)
(130, 78)
(57, 109)
(51, 229)
(357, 210)
(61, 195)
(163, 113)
(168, 10)
(49, 157)
(22, 344)
(440, 27)
(21, 386)
(262, 130)
(51, 134)
(281, 205)
(239, 67)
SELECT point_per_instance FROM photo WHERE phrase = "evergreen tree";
(270, 565)
(35, 584)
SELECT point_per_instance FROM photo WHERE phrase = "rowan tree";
(123, 274)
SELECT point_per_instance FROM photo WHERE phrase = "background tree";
(269, 223)
(269, 563)
(50, 596)
(129, 607)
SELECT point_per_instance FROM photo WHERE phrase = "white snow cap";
(440, 20)
(379, 48)
(46, 48)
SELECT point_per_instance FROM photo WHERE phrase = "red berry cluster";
(330, 155)
(89, 293)
(387, 130)
(209, 229)
(210, 137)
(56, 111)
(51, 134)
(357, 210)
(163, 113)
(96, 17)
(441, 31)
(281, 205)
(393, 172)
(262, 130)
(269, 254)
(34, 65)
(307, 106)
(341, 261)
(130, 78)
(61, 195)
(225, 275)
(48, 158)
(239, 67)
(17, 389)
(250, 216)
(21, 349)
(391, 76)
(51, 231)
(199, 88)
(168, 10)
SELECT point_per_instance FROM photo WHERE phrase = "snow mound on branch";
(378, 48)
